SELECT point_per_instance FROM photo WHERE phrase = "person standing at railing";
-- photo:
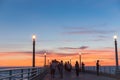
(77, 68)
(97, 67)
(83, 67)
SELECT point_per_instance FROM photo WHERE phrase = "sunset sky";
(63, 29)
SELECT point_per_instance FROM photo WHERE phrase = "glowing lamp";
(115, 37)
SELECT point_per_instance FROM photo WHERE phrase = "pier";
(82, 76)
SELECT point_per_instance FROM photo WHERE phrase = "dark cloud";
(30, 52)
(83, 47)
(71, 48)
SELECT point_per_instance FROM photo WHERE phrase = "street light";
(48, 61)
(80, 58)
(33, 38)
(45, 59)
(70, 60)
(116, 52)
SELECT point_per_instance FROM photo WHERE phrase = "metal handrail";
(19, 68)
(31, 73)
(103, 69)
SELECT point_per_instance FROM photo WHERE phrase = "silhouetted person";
(52, 68)
(97, 67)
(61, 69)
(65, 65)
(68, 66)
(77, 68)
(58, 66)
(83, 67)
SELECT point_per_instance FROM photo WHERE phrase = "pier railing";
(28, 73)
(109, 71)
(102, 69)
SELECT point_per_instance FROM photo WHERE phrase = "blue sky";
(58, 23)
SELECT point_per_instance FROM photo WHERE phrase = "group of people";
(53, 66)
(60, 66)
(66, 66)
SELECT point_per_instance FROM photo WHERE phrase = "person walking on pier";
(97, 67)
(77, 68)
(69, 67)
(61, 69)
(52, 68)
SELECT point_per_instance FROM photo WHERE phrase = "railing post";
(10, 74)
(33, 73)
(37, 71)
(29, 74)
(22, 74)
(100, 69)
(104, 69)
(110, 70)
(94, 68)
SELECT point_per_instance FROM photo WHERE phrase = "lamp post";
(70, 60)
(45, 59)
(48, 61)
(80, 58)
(33, 38)
(116, 52)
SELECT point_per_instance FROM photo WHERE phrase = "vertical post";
(116, 52)
(10, 74)
(29, 72)
(33, 73)
(33, 50)
(70, 60)
(80, 59)
(48, 61)
(22, 73)
(45, 60)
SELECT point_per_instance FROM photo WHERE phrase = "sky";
(63, 28)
